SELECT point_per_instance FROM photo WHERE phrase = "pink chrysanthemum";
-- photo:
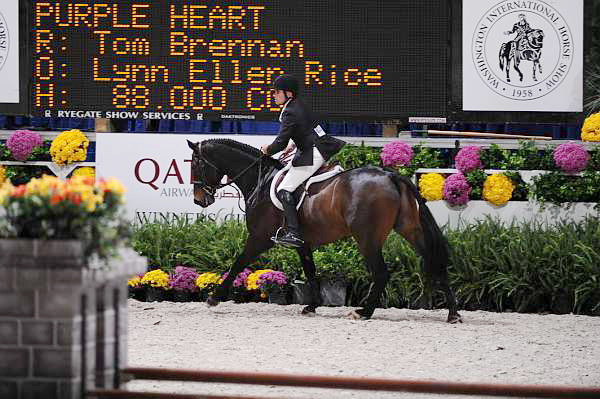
(468, 159)
(22, 142)
(457, 189)
(183, 279)
(397, 153)
(571, 157)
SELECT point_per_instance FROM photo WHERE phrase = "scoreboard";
(194, 59)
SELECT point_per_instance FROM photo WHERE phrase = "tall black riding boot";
(292, 237)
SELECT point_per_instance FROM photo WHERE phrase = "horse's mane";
(246, 149)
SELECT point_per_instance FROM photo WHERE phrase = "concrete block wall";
(62, 320)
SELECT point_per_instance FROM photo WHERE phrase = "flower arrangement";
(498, 189)
(207, 280)
(78, 208)
(457, 189)
(85, 171)
(468, 159)
(22, 143)
(431, 186)
(183, 279)
(156, 278)
(272, 281)
(253, 281)
(590, 130)
(396, 153)
(68, 147)
(571, 157)
(135, 281)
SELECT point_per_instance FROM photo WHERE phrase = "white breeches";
(299, 174)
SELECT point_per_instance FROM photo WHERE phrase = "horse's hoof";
(453, 319)
(308, 311)
(354, 315)
(211, 302)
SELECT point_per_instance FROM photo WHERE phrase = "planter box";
(513, 211)
(72, 312)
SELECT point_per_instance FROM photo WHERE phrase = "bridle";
(211, 190)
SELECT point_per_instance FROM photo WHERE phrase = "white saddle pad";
(314, 179)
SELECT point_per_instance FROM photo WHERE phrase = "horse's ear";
(193, 146)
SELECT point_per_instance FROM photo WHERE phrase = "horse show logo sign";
(9, 54)
(522, 52)
(4, 41)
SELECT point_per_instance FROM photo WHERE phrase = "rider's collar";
(284, 107)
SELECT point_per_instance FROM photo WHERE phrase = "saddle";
(325, 172)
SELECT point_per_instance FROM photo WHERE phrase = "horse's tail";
(435, 250)
(501, 56)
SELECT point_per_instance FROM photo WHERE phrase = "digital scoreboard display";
(194, 60)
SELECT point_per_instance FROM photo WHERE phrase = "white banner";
(523, 55)
(156, 170)
(9, 51)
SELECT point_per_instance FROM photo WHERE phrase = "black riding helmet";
(286, 83)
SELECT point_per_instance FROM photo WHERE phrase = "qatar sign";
(156, 170)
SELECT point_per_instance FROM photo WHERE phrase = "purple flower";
(184, 279)
(22, 142)
(275, 278)
(240, 280)
(571, 157)
(468, 159)
(396, 153)
(457, 189)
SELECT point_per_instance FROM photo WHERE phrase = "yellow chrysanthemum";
(135, 282)
(2, 174)
(156, 278)
(70, 146)
(85, 171)
(431, 186)
(498, 189)
(252, 280)
(6, 189)
(114, 186)
(591, 128)
(206, 279)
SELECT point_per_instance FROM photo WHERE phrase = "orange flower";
(19, 191)
(75, 198)
(55, 199)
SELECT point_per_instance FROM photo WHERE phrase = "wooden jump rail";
(352, 383)
(480, 134)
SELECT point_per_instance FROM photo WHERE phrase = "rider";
(522, 28)
(314, 147)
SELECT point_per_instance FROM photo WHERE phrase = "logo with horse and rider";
(522, 50)
(4, 41)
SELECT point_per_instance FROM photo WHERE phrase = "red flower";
(19, 191)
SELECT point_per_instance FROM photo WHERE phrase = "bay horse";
(528, 48)
(365, 203)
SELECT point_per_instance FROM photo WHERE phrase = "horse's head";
(536, 38)
(206, 177)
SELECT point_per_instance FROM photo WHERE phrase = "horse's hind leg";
(308, 265)
(371, 250)
(437, 277)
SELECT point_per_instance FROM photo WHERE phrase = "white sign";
(156, 170)
(9, 51)
(523, 55)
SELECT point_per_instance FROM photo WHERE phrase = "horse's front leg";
(308, 265)
(254, 246)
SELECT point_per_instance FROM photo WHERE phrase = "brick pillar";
(58, 333)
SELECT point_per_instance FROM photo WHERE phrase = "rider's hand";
(264, 149)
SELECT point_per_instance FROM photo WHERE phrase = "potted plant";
(275, 285)
(135, 287)
(253, 283)
(332, 266)
(156, 283)
(239, 293)
(183, 283)
(206, 283)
